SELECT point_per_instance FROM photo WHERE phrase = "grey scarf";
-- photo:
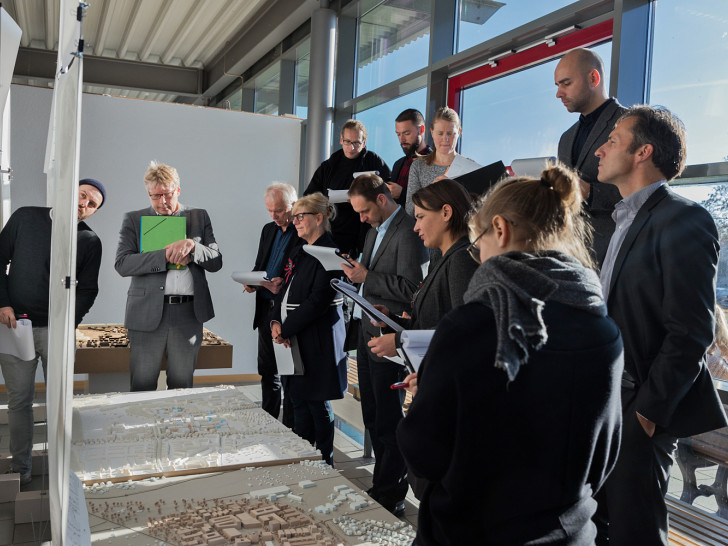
(517, 285)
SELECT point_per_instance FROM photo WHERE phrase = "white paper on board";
(78, 531)
(338, 196)
(18, 341)
(415, 344)
(251, 278)
(327, 256)
(461, 165)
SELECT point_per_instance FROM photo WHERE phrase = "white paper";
(358, 174)
(251, 278)
(78, 531)
(18, 341)
(349, 291)
(461, 165)
(338, 196)
(284, 359)
(415, 344)
(327, 256)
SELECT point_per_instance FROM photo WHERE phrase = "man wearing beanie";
(25, 244)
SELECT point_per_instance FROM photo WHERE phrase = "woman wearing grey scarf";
(517, 415)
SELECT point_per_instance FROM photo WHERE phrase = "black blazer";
(267, 236)
(443, 288)
(603, 196)
(553, 431)
(662, 296)
(316, 320)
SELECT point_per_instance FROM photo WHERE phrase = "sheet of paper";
(358, 174)
(284, 359)
(328, 257)
(461, 165)
(251, 278)
(78, 531)
(415, 344)
(18, 341)
(338, 196)
(367, 308)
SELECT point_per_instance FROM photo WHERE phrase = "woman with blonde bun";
(516, 419)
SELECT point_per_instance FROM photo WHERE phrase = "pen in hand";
(399, 385)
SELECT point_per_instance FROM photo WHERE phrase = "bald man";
(579, 78)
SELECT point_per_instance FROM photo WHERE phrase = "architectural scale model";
(136, 435)
(115, 335)
(302, 504)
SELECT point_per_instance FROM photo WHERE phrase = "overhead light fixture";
(478, 11)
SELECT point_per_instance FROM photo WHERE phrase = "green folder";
(158, 231)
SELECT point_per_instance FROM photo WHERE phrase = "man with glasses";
(278, 239)
(168, 298)
(25, 244)
(337, 173)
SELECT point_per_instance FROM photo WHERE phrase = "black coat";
(662, 297)
(510, 463)
(267, 236)
(316, 320)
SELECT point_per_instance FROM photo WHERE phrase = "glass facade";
(691, 39)
(303, 60)
(517, 116)
(393, 41)
(379, 122)
(481, 20)
(267, 89)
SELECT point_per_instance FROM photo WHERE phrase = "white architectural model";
(135, 435)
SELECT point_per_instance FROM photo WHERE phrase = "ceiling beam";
(255, 40)
(191, 20)
(115, 73)
(107, 15)
(156, 31)
(129, 29)
(21, 10)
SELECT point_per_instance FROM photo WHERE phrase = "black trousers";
(314, 421)
(381, 409)
(632, 501)
(270, 382)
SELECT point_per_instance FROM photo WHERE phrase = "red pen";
(400, 385)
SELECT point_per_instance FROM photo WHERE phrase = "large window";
(379, 122)
(481, 20)
(303, 60)
(394, 40)
(690, 72)
(267, 88)
(517, 116)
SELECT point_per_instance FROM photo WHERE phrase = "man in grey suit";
(165, 308)
(579, 77)
(390, 272)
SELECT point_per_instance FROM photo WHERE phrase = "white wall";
(225, 160)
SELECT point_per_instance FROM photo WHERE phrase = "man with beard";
(410, 129)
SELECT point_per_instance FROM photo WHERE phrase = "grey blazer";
(603, 196)
(395, 272)
(148, 271)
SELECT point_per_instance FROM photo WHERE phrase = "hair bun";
(565, 182)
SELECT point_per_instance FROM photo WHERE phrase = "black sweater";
(337, 173)
(25, 244)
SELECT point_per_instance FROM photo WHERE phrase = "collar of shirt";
(592, 117)
(382, 228)
(634, 202)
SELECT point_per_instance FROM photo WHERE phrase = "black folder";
(481, 180)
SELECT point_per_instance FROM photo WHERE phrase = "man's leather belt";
(173, 300)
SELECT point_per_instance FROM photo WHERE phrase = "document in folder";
(349, 291)
(18, 341)
(159, 231)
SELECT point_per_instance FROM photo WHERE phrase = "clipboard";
(156, 232)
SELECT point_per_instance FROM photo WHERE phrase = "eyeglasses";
(473, 248)
(355, 144)
(299, 217)
(158, 196)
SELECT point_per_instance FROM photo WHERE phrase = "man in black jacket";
(579, 77)
(658, 280)
(277, 241)
(25, 244)
(337, 173)
(410, 129)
